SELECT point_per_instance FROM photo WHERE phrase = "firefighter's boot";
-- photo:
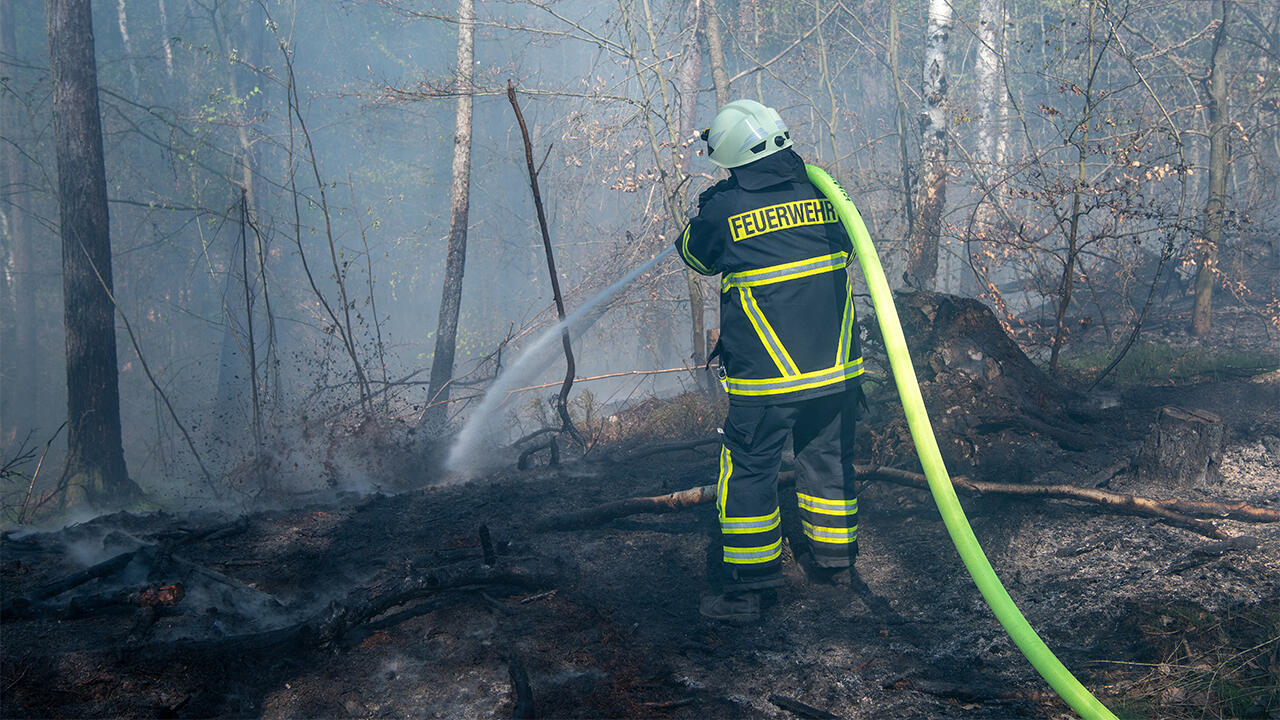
(733, 608)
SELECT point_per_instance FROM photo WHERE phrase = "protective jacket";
(787, 329)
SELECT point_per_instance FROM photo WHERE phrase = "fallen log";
(1181, 513)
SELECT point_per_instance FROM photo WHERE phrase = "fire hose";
(975, 560)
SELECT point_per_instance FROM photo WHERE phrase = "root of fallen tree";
(1180, 513)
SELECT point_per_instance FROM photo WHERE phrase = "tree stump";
(1183, 450)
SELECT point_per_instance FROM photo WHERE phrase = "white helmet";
(745, 131)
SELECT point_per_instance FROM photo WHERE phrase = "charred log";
(522, 704)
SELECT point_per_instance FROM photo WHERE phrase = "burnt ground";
(1159, 621)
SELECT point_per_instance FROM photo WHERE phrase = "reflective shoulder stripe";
(772, 343)
(688, 257)
(785, 271)
(794, 383)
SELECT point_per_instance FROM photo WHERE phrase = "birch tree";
(459, 205)
(931, 185)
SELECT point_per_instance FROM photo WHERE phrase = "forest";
(345, 369)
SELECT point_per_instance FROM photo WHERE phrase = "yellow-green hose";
(904, 375)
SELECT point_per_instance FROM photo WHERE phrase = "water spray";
(519, 372)
(904, 376)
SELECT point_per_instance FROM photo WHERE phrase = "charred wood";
(1183, 450)
(804, 710)
(522, 705)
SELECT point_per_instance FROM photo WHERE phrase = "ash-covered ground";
(392, 605)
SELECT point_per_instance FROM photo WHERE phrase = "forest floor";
(391, 605)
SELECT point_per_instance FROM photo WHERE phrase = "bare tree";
(95, 466)
(459, 197)
(18, 383)
(931, 185)
(1216, 98)
(715, 51)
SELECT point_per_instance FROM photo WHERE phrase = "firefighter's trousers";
(822, 432)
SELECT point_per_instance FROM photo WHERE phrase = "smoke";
(464, 459)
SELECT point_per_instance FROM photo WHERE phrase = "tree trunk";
(95, 466)
(437, 413)
(931, 186)
(128, 46)
(715, 52)
(990, 84)
(900, 121)
(18, 376)
(689, 76)
(1206, 275)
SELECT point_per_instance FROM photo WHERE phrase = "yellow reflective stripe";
(843, 536)
(846, 328)
(753, 555)
(746, 525)
(722, 484)
(785, 271)
(772, 343)
(827, 507)
(684, 253)
(803, 381)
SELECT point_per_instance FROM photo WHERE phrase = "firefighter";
(788, 356)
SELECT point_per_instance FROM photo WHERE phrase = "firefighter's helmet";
(745, 131)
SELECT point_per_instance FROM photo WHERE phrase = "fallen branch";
(1174, 512)
(632, 506)
(1127, 504)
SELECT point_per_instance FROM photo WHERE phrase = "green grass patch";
(1156, 363)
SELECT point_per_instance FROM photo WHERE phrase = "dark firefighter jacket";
(787, 327)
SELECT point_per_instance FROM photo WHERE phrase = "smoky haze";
(242, 217)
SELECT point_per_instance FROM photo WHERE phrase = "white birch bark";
(931, 186)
